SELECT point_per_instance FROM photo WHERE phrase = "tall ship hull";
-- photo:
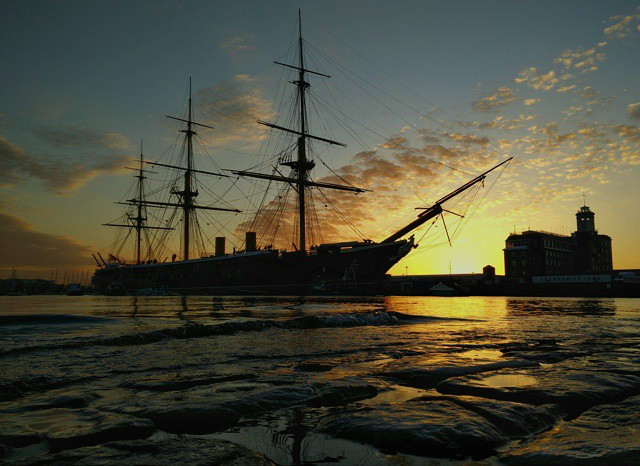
(337, 268)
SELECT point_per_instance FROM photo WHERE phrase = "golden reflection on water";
(508, 380)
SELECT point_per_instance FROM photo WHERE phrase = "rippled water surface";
(396, 380)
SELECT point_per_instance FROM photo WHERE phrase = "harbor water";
(289, 380)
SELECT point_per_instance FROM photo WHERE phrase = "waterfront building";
(540, 253)
(593, 251)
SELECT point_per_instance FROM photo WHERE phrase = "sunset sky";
(419, 85)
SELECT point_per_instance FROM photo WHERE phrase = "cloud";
(81, 138)
(630, 133)
(60, 174)
(401, 175)
(633, 110)
(236, 44)
(536, 80)
(581, 60)
(502, 123)
(565, 88)
(467, 138)
(232, 108)
(623, 26)
(500, 98)
(24, 247)
(528, 102)
(394, 142)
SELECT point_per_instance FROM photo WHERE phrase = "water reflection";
(183, 308)
(134, 305)
(291, 438)
(508, 380)
(550, 306)
(297, 431)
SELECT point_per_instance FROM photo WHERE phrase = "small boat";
(442, 290)
(74, 289)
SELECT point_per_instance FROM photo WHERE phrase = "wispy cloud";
(623, 25)
(537, 80)
(498, 99)
(83, 139)
(562, 89)
(633, 110)
(232, 108)
(237, 44)
(30, 248)
(59, 174)
(581, 60)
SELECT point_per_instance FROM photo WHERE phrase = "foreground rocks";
(166, 452)
(71, 428)
(429, 377)
(207, 412)
(574, 390)
(607, 434)
(442, 426)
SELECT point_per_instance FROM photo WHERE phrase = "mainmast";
(188, 195)
(139, 219)
(302, 165)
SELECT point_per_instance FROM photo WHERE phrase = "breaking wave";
(48, 319)
(197, 330)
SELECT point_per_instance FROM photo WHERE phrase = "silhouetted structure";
(593, 251)
(540, 253)
(26, 286)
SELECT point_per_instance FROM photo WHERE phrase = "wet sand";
(398, 380)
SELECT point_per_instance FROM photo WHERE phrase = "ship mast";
(188, 194)
(139, 221)
(302, 166)
(139, 218)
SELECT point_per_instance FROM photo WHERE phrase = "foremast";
(139, 221)
(188, 195)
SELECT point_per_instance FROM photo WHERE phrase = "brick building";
(540, 253)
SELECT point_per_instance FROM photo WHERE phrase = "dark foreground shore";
(398, 380)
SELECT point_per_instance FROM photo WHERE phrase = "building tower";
(586, 219)
(593, 251)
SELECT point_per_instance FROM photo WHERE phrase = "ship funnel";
(220, 246)
(250, 241)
